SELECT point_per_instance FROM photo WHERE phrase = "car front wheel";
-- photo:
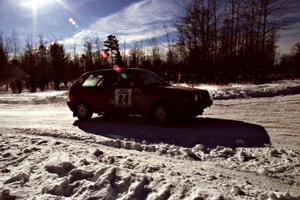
(83, 112)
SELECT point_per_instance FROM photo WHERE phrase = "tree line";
(233, 40)
(216, 41)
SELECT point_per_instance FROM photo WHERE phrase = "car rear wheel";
(83, 112)
(161, 114)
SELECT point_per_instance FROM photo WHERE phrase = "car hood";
(180, 88)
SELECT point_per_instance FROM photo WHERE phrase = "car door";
(127, 94)
(105, 93)
(96, 93)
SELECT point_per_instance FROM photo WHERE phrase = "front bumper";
(195, 108)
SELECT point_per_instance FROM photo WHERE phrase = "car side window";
(123, 80)
(150, 79)
(110, 79)
(94, 81)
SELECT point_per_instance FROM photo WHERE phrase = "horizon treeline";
(216, 41)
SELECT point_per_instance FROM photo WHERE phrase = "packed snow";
(238, 91)
(34, 98)
(241, 148)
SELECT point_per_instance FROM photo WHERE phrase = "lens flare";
(37, 6)
(117, 68)
(103, 54)
(73, 22)
(124, 76)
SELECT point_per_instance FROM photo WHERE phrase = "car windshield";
(151, 79)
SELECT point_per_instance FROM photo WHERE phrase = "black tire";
(161, 114)
(83, 111)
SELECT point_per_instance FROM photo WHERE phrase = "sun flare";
(34, 4)
(40, 6)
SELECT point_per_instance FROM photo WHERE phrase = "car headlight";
(197, 97)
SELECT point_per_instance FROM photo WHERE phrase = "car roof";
(122, 69)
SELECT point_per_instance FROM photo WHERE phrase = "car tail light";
(71, 98)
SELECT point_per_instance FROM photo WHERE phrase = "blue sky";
(130, 20)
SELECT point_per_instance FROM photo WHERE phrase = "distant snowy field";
(243, 147)
(234, 91)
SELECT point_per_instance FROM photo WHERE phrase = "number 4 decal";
(123, 97)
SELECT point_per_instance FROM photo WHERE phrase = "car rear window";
(93, 81)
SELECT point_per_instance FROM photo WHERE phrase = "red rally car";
(134, 91)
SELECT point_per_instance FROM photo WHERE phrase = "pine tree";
(58, 59)
(88, 51)
(43, 65)
(29, 63)
(3, 61)
(112, 46)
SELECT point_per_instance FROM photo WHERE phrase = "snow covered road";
(46, 153)
(280, 116)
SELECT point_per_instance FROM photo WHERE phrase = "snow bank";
(35, 98)
(234, 91)
(51, 167)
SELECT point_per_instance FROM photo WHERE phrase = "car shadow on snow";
(210, 132)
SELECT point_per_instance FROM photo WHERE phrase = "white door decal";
(123, 97)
